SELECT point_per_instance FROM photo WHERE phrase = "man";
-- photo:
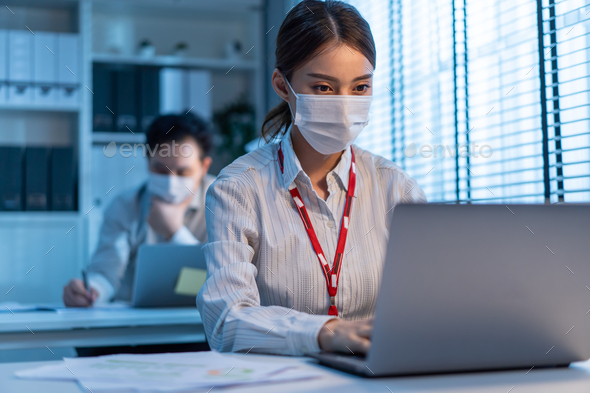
(169, 207)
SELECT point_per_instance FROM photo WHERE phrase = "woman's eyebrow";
(323, 76)
(331, 78)
(366, 76)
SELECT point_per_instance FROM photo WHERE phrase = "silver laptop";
(480, 287)
(157, 270)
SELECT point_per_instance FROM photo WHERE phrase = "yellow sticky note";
(190, 281)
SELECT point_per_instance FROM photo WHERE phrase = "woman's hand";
(346, 336)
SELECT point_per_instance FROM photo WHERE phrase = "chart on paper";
(167, 372)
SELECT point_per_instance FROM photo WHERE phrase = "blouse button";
(330, 224)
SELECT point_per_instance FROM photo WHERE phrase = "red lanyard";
(332, 276)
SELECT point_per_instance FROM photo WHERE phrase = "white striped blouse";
(265, 290)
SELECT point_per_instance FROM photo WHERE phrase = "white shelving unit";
(174, 61)
(41, 108)
(39, 217)
(41, 251)
(106, 137)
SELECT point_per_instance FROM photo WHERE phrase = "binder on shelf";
(20, 56)
(199, 84)
(20, 66)
(11, 178)
(149, 96)
(182, 90)
(3, 66)
(102, 87)
(68, 58)
(126, 97)
(3, 92)
(36, 178)
(63, 179)
(172, 92)
(45, 68)
(3, 55)
(68, 68)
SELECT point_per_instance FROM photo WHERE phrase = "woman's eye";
(362, 88)
(322, 88)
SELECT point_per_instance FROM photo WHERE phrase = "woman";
(281, 215)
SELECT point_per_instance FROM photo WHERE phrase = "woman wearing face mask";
(297, 229)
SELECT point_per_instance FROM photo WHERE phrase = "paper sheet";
(207, 368)
(194, 371)
(12, 307)
(190, 281)
(54, 372)
(287, 375)
(114, 306)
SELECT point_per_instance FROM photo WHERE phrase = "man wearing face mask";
(169, 207)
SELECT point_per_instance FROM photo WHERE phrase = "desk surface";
(99, 328)
(85, 318)
(575, 379)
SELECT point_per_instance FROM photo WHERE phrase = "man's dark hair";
(168, 128)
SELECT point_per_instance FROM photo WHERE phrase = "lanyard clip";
(332, 300)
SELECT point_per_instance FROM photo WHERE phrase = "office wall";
(41, 251)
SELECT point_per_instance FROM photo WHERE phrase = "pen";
(85, 278)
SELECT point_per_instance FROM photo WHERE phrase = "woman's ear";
(280, 85)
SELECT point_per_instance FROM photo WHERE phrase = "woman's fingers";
(365, 331)
(358, 345)
(347, 336)
(355, 338)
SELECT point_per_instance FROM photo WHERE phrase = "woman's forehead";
(340, 61)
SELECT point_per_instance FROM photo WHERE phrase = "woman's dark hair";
(168, 128)
(308, 28)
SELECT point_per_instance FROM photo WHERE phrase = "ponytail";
(276, 122)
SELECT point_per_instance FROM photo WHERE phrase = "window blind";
(485, 102)
(413, 86)
(426, 106)
(504, 109)
(377, 137)
(566, 46)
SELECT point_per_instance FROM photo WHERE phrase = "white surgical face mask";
(330, 123)
(171, 188)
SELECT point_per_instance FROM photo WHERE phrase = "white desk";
(99, 328)
(575, 379)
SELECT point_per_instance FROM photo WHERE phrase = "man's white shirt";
(125, 228)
